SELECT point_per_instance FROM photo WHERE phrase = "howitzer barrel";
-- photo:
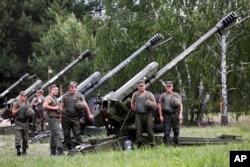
(87, 83)
(29, 90)
(128, 88)
(87, 53)
(219, 27)
(24, 77)
(147, 45)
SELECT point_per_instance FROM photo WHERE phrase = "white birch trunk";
(224, 115)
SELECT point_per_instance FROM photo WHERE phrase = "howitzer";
(119, 119)
(148, 45)
(23, 78)
(84, 55)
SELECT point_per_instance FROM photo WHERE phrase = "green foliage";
(61, 45)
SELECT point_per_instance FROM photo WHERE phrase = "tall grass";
(159, 156)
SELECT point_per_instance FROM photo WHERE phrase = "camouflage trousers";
(40, 122)
(21, 134)
(71, 124)
(171, 121)
(144, 122)
(54, 127)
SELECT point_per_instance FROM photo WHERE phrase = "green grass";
(160, 156)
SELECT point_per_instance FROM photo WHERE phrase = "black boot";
(60, 151)
(24, 152)
(18, 151)
(52, 151)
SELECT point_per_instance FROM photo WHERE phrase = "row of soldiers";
(73, 103)
(67, 113)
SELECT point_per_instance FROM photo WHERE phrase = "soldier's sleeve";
(82, 98)
(63, 98)
(14, 108)
(152, 97)
(160, 99)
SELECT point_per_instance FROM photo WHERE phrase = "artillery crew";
(143, 114)
(52, 106)
(170, 111)
(73, 105)
(22, 112)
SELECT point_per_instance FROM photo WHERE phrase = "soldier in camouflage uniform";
(52, 106)
(19, 111)
(143, 116)
(39, 119)
(71, 115)
(171, 115)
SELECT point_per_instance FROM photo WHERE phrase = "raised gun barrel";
(219, 27)
(84, 55)
(24, 77)
(148, 45)
(87, 83)
(128, 88)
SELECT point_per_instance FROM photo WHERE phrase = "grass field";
(159, 156)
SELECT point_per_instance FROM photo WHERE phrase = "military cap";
(168, 83)
(40, 91)
(54, 85)
(72, 83)
(141, 82)
(23, 93)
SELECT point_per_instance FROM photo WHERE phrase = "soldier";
(170, 111)
(40, 114)
(73, 104)
(52, 106)
(144, 115)
(20, 111)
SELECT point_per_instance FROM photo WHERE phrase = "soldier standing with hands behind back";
(170, 111)
(52, 106)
